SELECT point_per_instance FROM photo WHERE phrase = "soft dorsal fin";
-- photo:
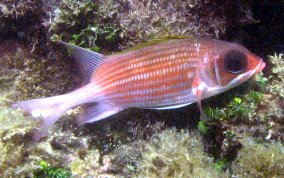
(87, 61)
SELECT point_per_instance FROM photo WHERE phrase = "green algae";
(24, 76)
(276, 80)
(202, 127)
(86, 166)
(243, 107)
(49, 171)
(15, 131)
(169, 153)
(109, 26)
(85, 24)
(259, 160)
(14, 125)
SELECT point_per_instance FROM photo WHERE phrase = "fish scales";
(147, 80)
(139, 56)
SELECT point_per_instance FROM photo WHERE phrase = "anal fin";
(96, 112)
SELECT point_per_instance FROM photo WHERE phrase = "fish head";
(235, 64)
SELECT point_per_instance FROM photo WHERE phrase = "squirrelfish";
(164, 75)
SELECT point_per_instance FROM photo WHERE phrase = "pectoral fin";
(200, 86)
(199, 105)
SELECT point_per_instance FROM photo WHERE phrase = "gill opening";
(217, 72)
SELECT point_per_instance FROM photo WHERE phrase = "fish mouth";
(261, 65)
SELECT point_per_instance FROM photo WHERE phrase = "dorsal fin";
(87, 61)
(153, 42)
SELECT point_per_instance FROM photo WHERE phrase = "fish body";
(166, 75)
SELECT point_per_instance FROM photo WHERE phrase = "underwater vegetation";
(277, 75)
(259, 159)
(112, 25)
(87, 24)
(243, 138)
(48, 171)
(170, 153)
(14, 133)
(24, 76)
(17, 9)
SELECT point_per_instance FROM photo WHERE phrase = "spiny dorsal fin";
(153, 42)
(87, 61)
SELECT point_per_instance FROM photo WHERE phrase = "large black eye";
(235, 62)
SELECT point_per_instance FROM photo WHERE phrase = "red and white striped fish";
(166, 75)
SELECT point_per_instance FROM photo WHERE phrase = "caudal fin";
(48, 110)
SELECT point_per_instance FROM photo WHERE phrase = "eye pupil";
(235, 62)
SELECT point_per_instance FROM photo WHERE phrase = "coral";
(21, 20)
(15, 131)
(259, 160)
(167, 154)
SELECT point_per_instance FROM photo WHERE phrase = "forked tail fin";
(48, 110)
